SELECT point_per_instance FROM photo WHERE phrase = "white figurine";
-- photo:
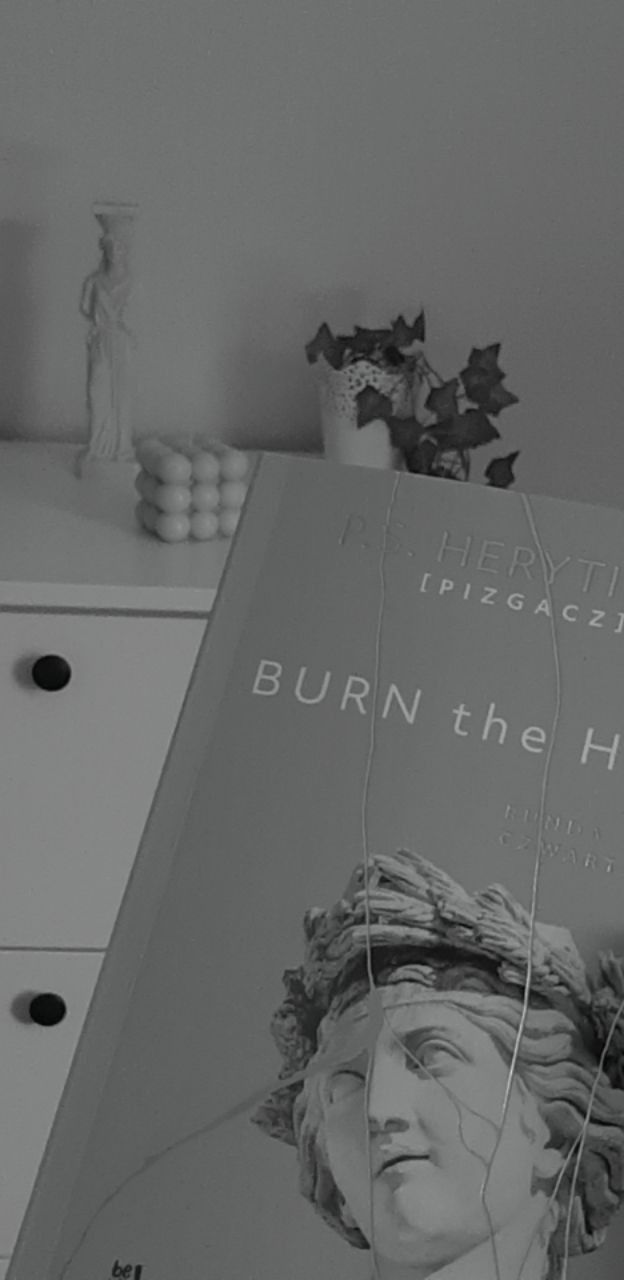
(110, 342)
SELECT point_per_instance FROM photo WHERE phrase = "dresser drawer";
(34, 1065)
(79, 765)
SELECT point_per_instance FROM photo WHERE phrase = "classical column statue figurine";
(110, 342)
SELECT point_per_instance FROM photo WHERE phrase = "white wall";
(302, 160)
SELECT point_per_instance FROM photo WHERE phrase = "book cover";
(362, 1014)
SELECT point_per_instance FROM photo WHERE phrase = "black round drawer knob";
(51, 672)
(47, 1009)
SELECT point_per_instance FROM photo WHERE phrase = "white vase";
(343, 440)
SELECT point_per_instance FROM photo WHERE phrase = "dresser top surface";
(75, 542)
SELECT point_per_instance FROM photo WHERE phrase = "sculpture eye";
(433, 1056)
(344, 1084)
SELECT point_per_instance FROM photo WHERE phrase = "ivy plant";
(458, 413)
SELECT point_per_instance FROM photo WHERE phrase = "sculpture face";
(435, 1096)
(115, 255)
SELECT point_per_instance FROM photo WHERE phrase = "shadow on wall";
(31, 176)
(18, 325)
(271, 398)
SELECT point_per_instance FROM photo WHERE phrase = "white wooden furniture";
(100, 625)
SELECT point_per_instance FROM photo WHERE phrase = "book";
(362, 1011)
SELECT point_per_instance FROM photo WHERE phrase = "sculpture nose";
(393, 1094)
(392, 1124)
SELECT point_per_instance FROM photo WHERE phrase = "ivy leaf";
(411, 458)
(325, 344)
(486, 360)
(405, 434)
(443, 400)
(404, 334)
(465, 430)
(475, 429)
(479, 383)
(394, 357)
(500, 398)
(499, 472)
(372, 404)
(378, 345)
(420, 457)
(486, 390)
(365, 342)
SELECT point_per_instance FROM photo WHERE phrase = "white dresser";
(100, 625)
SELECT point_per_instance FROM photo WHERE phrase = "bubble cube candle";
(190, 492)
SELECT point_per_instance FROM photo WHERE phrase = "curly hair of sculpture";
(421, 1144)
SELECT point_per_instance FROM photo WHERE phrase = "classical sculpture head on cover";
(415, 1138)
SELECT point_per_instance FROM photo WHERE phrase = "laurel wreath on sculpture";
(401, 902)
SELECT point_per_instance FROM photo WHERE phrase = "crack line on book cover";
(375, 1009)
(579, 1143)
(583, 1135)
(380, 1014)
(511, 1075)
(577, 1149)
(377, 1014)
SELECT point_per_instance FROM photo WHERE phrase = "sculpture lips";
(400, 1158)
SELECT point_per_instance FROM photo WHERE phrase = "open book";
(362, 1013)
